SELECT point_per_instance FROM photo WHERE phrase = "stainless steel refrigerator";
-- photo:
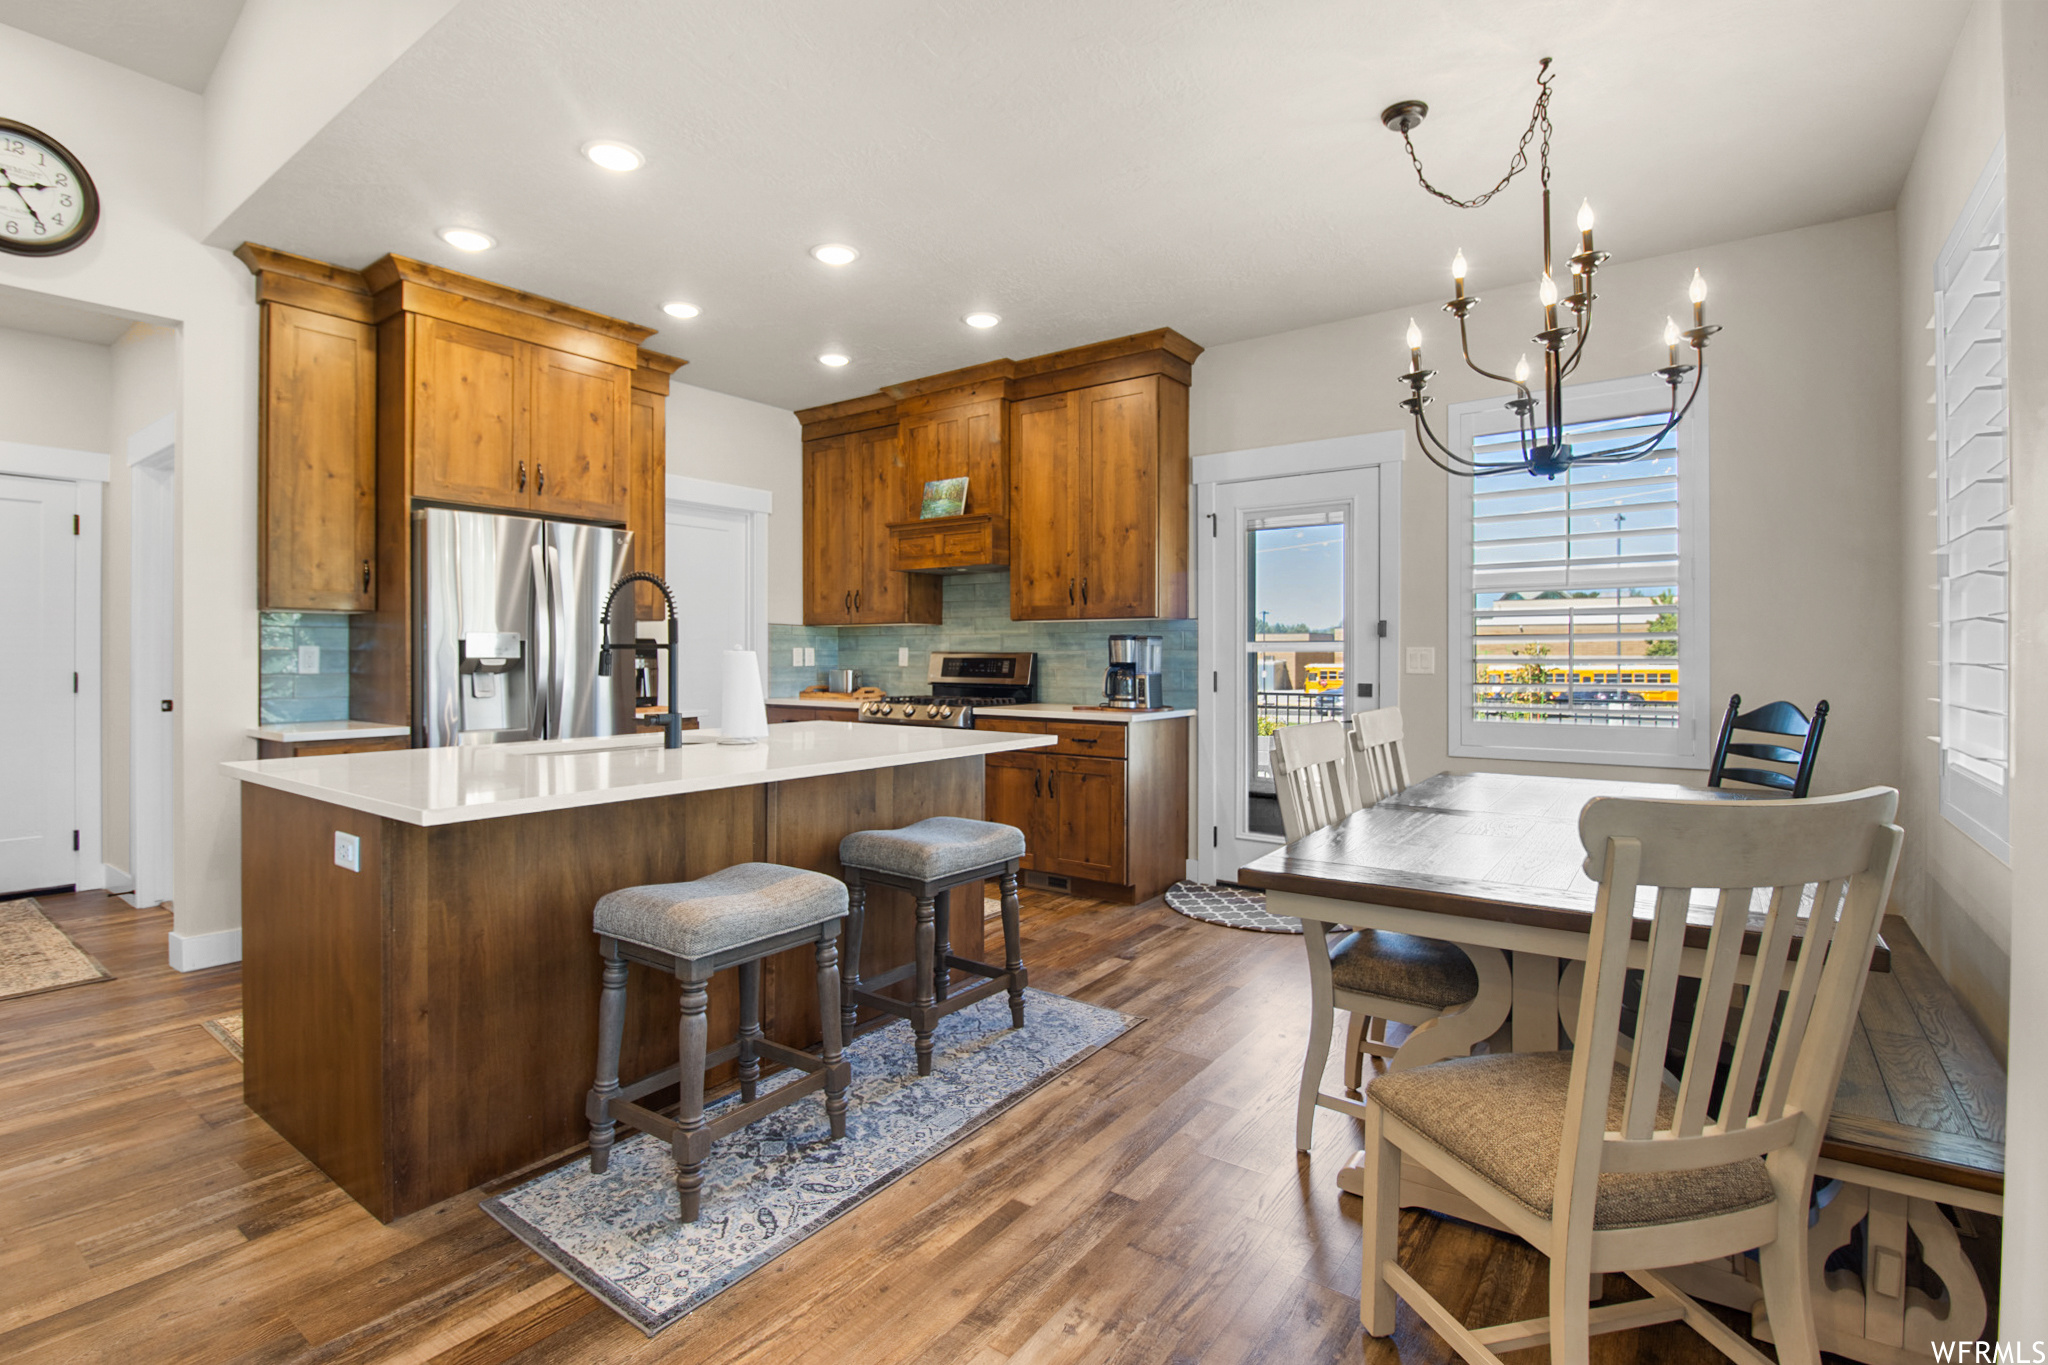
(505, 611)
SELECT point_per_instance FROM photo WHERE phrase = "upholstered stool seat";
(1403, 967)
(929, 859)
(692, 930)
(1504, 1118)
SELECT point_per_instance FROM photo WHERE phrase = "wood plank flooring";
(1146, 1206)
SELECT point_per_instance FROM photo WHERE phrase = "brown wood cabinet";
(647, 477)
(1099, 488)
(852, 490)
(318, 462)
(311, 748)
(1105, 807)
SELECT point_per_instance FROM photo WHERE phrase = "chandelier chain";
(1539, 117)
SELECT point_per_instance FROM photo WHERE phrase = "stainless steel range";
(961, 684)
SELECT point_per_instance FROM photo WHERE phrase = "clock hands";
(17, 187)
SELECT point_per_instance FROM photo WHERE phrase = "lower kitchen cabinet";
(1115, 828)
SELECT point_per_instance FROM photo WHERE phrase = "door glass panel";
(1295, 613)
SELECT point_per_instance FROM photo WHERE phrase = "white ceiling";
(178, 41)
(23, 311)
(1084, 169)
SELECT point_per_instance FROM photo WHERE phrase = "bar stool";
(926, 859)
(692, 930)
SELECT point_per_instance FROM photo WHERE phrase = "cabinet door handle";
(540, 485)
(846, 603)
(522, 476)
(1084, 592)
(1052, 785)
(1037, 784)
(1070, 592)
(856, 599)
(366, 575)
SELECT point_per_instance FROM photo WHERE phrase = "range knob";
(931, 712)
(945, 713)
(887, 709)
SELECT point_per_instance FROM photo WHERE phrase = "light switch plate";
(348, 851)
(796, 656)
(902, 656)
(309, 658)
(1421, 658)
(810, 657)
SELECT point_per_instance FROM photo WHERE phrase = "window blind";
(1575, 603)
(1971, 504)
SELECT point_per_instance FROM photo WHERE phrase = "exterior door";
(1297, 565)
(38, 639)
(1045, 508)
(468, 442)
(577, 445)
(1119, 543)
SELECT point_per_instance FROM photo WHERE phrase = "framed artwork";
(944, 498)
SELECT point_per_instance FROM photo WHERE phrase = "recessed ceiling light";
(835, 253)
(468, 239)
(832, 358)
(981, 319)
(681, 310)
(614, 156)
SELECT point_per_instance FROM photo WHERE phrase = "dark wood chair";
(1779, 718)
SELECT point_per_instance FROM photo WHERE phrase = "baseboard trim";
(197, 952)
(118, 879)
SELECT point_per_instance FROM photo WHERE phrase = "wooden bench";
(1919, 1122)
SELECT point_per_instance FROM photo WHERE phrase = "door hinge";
(1215, 835)
(74, 523)
(1383, 630)
(74, 841)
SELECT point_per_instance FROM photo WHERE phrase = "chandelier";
(1543, 449)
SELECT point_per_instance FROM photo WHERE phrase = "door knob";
(164, 705)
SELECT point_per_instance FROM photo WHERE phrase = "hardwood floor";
(1146, 1206)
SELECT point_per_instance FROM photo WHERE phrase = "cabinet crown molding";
(387, 271)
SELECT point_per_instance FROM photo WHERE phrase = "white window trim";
(1690, 744)
(1988, 824)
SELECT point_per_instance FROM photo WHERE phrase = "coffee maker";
(1135, 678)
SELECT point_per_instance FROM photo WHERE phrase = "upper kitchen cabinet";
(465, 401)
(953, 426)
(854, 484)
(647, 477)
(317, 437)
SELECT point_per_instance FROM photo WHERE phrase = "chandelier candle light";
(1543, 447)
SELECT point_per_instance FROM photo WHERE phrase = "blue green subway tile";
(280, 661)
(325, 637)
(280, 685)
(281, 618)
(285, 711)
(276, 637)
(322, 685)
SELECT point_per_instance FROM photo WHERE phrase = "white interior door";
(152, 721)
(1295, 633)
(711, 563)
(38, 663)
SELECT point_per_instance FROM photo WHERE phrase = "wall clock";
(47, 201)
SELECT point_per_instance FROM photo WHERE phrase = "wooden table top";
(1921, 1093)
(1489, 846)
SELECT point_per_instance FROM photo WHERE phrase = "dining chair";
(1778, 718)
(1602, 1161)
(1372, 974)
(1376, 739)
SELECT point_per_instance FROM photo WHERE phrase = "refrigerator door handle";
(541, 674)
(559, 662)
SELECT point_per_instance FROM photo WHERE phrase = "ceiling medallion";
(1543, 447)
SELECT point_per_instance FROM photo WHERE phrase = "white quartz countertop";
(488, 781)
(312, 731)
(1032, 711)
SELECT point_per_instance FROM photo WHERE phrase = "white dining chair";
(1379, 749)
(1373, 975)
(1604, 1162)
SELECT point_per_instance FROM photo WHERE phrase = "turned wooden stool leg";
(611, 1027)
(689, 1144)
(750, 1030)
(922, 979)
(942, 924)
(849, 970)
(1013, 948)
(838, 1072)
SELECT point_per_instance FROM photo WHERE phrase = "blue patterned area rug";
(782, 1178)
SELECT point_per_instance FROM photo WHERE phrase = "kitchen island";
(420, 979)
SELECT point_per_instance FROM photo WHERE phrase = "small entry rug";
(1229, 905)
(37, 956)
(782, 1178)
(227, 1031)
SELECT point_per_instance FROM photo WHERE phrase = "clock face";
(47, 201)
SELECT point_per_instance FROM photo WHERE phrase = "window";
(1971, 502)
(1579, 604)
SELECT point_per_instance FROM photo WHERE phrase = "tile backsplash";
(289, 694)
(1071, 654)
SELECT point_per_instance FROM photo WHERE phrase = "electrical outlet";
(1421, 658)
(902, 656)
(309, 658)
(348, 852)
(796, 656)
(810, 657)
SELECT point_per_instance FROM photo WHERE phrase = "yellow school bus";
(1323, 678)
